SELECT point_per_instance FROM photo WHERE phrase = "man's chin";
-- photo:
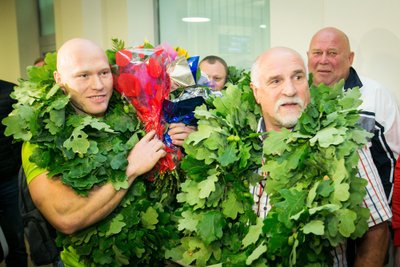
(289, 121)
(289, 124)
(98, 113)
(95, 112)
(318, 80)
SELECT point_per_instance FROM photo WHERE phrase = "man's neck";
(262, 127)
(81, 112)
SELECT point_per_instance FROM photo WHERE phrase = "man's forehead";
(283, 69)
(327, 42)
(213, 68)
(83, 63)
(216, 64)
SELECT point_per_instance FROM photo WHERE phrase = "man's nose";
(97, 82)
(324, 58)
(212, 83)
(289, 89)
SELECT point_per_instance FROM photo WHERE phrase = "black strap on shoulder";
(3, 246)
(38, 231)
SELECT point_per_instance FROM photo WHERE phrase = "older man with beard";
(280, 87)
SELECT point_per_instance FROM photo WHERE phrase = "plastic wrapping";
(181, 73)
(144, 76)
(141, 76)
(181, 111)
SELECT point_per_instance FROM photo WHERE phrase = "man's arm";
(373, 246)
(69, 212)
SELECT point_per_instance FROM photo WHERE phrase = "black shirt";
(10, 153)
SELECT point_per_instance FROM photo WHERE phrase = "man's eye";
(83, 75)
(332, 53)
(317, 53)
(105, 73)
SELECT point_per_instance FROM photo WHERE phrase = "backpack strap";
(38, 231)
(3, 246)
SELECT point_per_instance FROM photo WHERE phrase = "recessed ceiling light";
(195, 19)
(263, 26)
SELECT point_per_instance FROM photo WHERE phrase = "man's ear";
(351, 58)
(255, 92)
(57, 77)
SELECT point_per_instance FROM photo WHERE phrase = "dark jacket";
(10, 153)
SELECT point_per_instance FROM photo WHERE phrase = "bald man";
(84, 73)
(280, 87)
(330, 59)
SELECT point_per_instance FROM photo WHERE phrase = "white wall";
(28, 34)
(102, 20)
(373, 28)
(9, 53)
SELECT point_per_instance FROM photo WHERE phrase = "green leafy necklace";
(312, 183)
(221, 162)
(84, 149)
(314, 188)
(87, 152)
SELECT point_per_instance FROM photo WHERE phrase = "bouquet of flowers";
(141, 76)
(144, 75)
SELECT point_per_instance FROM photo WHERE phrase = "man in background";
(330, 59)
(39, 62)
(10, 162)
(216, 70)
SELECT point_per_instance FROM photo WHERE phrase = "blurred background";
(237, 30)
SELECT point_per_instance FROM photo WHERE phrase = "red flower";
(128, 84)
(123, 57)
(154, 68)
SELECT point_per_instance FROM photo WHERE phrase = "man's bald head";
(73, 49)
(334, 33)
(269, 56)
(84, 73)
(329, 56)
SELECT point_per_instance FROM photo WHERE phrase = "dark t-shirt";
(10, 153)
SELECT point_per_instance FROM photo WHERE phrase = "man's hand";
(179, 132)
(145, 155)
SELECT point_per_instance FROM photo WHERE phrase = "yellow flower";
(182, 52)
